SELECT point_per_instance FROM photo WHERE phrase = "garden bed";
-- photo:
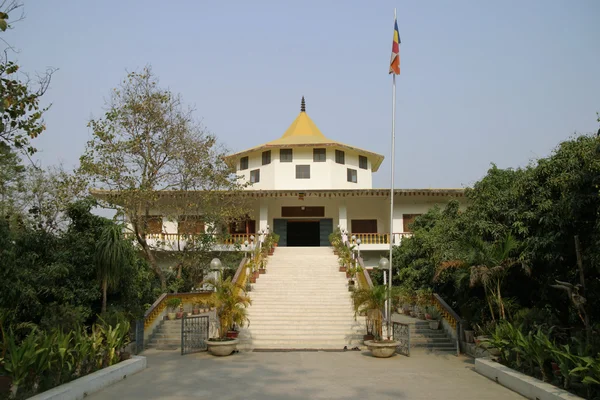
(86, 385)
(525, 385)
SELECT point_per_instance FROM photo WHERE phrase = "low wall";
(527, 386)
(86, 385)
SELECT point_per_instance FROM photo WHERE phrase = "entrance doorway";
(303, 233)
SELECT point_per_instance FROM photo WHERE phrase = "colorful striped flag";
(395, 61)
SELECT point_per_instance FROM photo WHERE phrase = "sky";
(482, 81)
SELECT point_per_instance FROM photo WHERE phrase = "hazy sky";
(482, 81)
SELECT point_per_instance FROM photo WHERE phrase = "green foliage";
(515, 217)
(173, 303)
(148, 141)
(370, 302)
(231, 302)
(20, 112)
(50, 279)
(45, 359)
(112, 255)
(534, 353)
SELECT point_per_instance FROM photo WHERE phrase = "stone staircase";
(167, 336)
(302, 302)
(421, 337)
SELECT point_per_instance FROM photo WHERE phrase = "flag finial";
(302, 105)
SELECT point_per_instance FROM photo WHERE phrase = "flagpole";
(389, 297)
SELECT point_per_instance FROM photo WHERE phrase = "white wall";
(323, 175)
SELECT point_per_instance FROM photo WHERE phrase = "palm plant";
(489, 265)
(230, 301)
(370, 302)
(112, 253)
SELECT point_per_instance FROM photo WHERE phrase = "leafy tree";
(111, 256)
(147, 152)
(11, 179)
(20, 112)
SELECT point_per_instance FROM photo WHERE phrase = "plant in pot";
(230, 301)
(263, 266)
(433, 316)
(172, 304)
(196, 309)
(275, 239)
(335, 238)
(370, 302)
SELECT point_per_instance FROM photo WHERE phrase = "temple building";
(304, 185)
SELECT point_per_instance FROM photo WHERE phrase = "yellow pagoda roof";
(303, 132)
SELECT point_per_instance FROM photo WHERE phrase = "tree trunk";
(586, 321)
(104, 288)
(487, 298)
(500, 303)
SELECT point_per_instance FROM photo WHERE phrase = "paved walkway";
(306, 375)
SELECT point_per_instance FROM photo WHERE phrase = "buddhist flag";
(395, 61)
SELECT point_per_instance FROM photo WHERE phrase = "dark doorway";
(303, 233)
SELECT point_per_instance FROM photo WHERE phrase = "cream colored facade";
(305, 209)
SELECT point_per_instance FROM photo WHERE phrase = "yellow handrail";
(371, 238)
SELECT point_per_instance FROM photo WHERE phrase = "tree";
(11, 179)
(147, 144)
(111, 257)
(489, 265)
(20, 113)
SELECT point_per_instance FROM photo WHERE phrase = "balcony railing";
(175, 237)
(379, 238)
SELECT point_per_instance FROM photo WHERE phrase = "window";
(364, 226)
(285, 155)
(363, 162)
(340, 157)
(152, 225)
(242, 226)
(255, 176)
(408, 220)
(319, 155)
(302, 171)
(352, 175)
(243, 163)
(190, 225)
(266, 157)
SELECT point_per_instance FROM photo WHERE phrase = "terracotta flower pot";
(262, 271)
(179, 315)
(252, 279)
(342, 269)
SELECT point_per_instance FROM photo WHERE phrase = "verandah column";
(343, 217)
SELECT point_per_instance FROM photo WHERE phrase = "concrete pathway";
(306, 375)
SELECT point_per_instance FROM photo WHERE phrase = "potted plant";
(275, 239)
(172, 305)
(196, 309)
(371, 301)
(434, 317)
(262, 268)
(179, 314)
(230, 301)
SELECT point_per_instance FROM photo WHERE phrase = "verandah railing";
(378, 238)
(175, 237)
